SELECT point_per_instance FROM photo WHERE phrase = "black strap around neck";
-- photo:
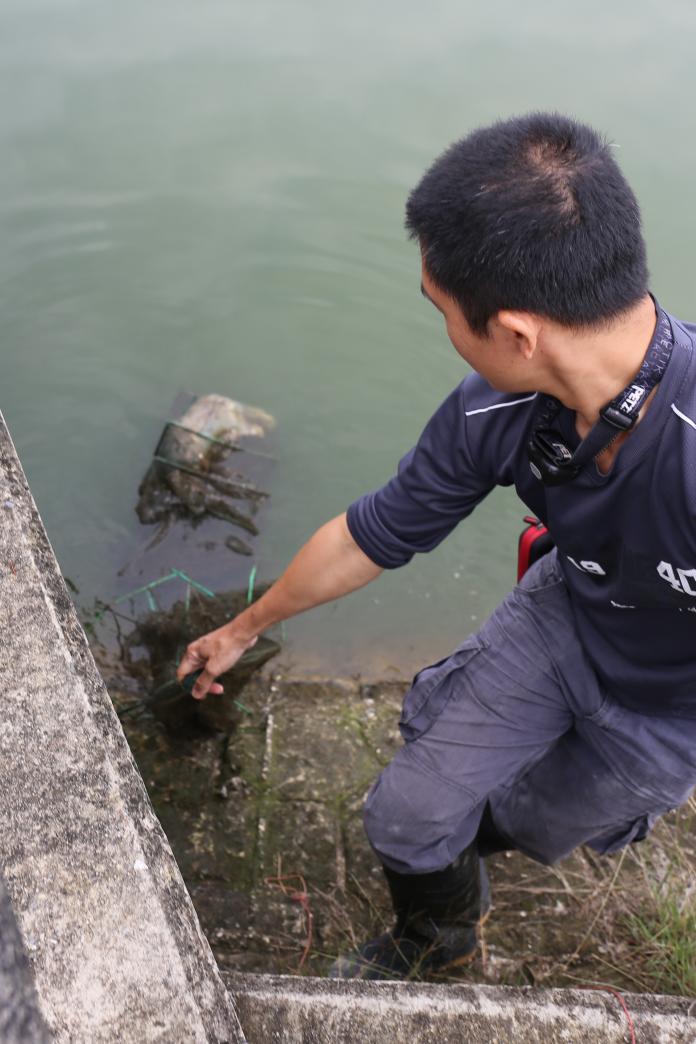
(551, 461)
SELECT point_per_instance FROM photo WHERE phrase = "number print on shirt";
(682, 580)
(589, 567)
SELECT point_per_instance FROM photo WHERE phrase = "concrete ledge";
(115, 944)
(286, 1010)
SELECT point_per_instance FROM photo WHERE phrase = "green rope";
(208, 438)
(174, 574)
(146, 587)
(217, 442)
(250, 588)
(194, 583)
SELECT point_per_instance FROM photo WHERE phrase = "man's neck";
(589, 370)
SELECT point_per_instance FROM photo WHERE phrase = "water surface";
(209, 196)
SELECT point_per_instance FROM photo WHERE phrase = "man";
(570, 717)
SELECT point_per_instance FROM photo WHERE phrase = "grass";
(662, 917)
(667, 937)
(625, 922)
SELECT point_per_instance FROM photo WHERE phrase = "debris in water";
(163, 634)
(234, 543)
(190, 474)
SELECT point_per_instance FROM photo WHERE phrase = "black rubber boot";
(437, 917)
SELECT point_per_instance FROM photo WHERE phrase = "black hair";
(531, 213)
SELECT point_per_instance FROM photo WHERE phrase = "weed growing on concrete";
(667, 935)
(663, 918)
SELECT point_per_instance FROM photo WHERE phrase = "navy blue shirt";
(626, 540)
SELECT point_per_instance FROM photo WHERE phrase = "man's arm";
(439, 482)
(328, 566)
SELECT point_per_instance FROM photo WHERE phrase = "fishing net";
(202, 481)
(152, 641)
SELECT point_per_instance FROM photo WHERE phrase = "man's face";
(496, 357)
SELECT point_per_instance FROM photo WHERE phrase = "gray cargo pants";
(517, 717)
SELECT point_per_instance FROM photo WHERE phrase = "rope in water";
(208, 438)
(233, 485)
(211, 438)
(174, 574)
(250, 586)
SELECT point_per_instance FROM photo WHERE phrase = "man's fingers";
(203, 685)
(190, 662)
(212, 655)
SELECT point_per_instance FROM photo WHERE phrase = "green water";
(208, 196)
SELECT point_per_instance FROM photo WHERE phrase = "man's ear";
(525, 328)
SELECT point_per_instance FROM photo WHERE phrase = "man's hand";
(215, 653)
(328, 566)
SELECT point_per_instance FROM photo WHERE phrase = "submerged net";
(154, 641)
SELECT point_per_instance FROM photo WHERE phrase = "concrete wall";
(115, 944)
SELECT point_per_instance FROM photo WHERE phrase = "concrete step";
(286, 1010)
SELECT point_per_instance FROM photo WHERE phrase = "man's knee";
(415, 822)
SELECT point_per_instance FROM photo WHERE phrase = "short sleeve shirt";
(626, 540)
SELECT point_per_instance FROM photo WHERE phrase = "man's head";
(530, 216)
